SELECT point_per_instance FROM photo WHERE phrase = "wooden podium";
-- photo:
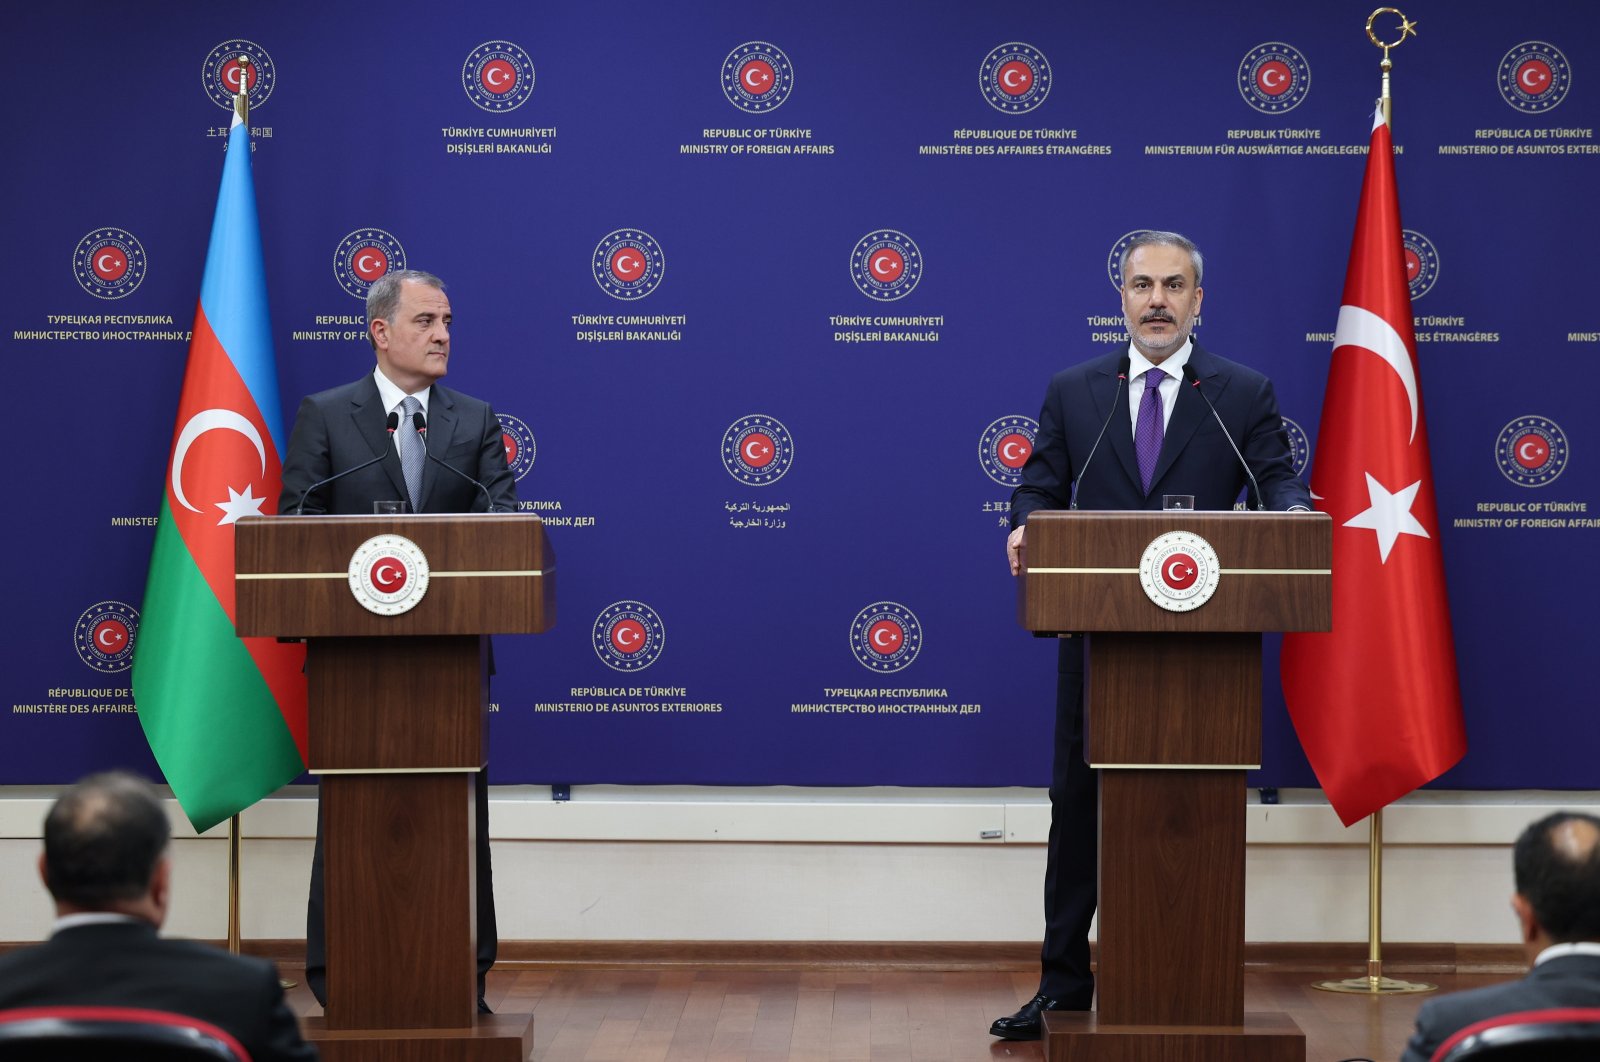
(397, 706)
(1173, 722)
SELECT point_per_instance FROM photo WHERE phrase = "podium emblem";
(388, 574)
(1179, 571)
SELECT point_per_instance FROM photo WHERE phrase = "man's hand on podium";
(1014, 548)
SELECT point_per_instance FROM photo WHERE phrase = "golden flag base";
(1374, 984)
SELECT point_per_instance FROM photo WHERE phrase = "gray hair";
(1153, 238)
(383, 298)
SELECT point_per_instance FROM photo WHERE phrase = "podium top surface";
(1089, 571)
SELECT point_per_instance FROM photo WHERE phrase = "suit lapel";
(441, 427)
(371, 420)
(1119, 433)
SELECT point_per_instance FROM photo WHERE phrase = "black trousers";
(1071, 867)
(488, 933)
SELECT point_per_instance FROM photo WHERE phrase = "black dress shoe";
(483, 1006)
(1027, 1023)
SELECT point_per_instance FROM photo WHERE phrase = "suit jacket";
(1195, 456)
(127, 964)
(339, 429)
(1568, 981)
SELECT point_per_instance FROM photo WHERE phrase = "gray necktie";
(411, 451)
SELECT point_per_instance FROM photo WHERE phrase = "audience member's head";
(105, 846)
(1557, 866)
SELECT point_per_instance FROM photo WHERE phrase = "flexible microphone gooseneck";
(390, 426)
(1122, 380)
(1194, 381)
(421, 424)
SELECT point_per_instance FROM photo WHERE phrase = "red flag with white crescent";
(1376, 701)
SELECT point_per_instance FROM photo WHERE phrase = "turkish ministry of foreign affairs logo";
(628, 264)
(1274, 78)
(1534, 77)
(388, 574)
(757, 77)
(104, 636)
(757, 450)
(520, 446)
(497, 76)
(886, 265)
(1004, 447)
(1531, 451)
(1179, 571)
(1114, 259)
(222, 74)
(1014, 78)
(628, 636)
(885, 637)
(1299, 445)
(109, 263)
(1422, 262)
(363, 257)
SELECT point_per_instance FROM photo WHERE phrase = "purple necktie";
(1147, 433)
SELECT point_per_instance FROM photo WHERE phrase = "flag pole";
(1374, 983)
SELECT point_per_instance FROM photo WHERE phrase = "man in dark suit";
(1150, 435)
(374, 422)
(105, 863)
(1556, 863)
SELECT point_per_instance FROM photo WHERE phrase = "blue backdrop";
(747, 443)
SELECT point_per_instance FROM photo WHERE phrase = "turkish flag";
(1376, 701)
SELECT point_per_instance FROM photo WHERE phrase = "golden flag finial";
(1407, 29)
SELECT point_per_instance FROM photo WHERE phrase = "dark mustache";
(1157, 315)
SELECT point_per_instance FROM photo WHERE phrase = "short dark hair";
(1562, 887)
(102, 840)
(1157, 238)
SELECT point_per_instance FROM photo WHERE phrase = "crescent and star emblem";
(1011, 451)
(1532, 450)
(218, 420)
(1176, 571)
(754, 450)
(494, 75)
(882, 638)
(387, 575)
(753, 78)
(1363, 328)
(627, 636)
(364, 264)
(878, 265)
(106, 638)
(1531, 77)
(1272, 78)
(100, 263)
(1011, 78)
(627, 264)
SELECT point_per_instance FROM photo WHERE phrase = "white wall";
(679, 863)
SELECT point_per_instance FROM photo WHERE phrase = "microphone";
(390, 426)
(421, 424)
(1122, 379)
(1194, 381)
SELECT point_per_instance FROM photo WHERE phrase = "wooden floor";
(734, 1013)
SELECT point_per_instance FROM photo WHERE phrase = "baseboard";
(1326, 958)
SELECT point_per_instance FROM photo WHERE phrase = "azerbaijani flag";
(224, 715)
